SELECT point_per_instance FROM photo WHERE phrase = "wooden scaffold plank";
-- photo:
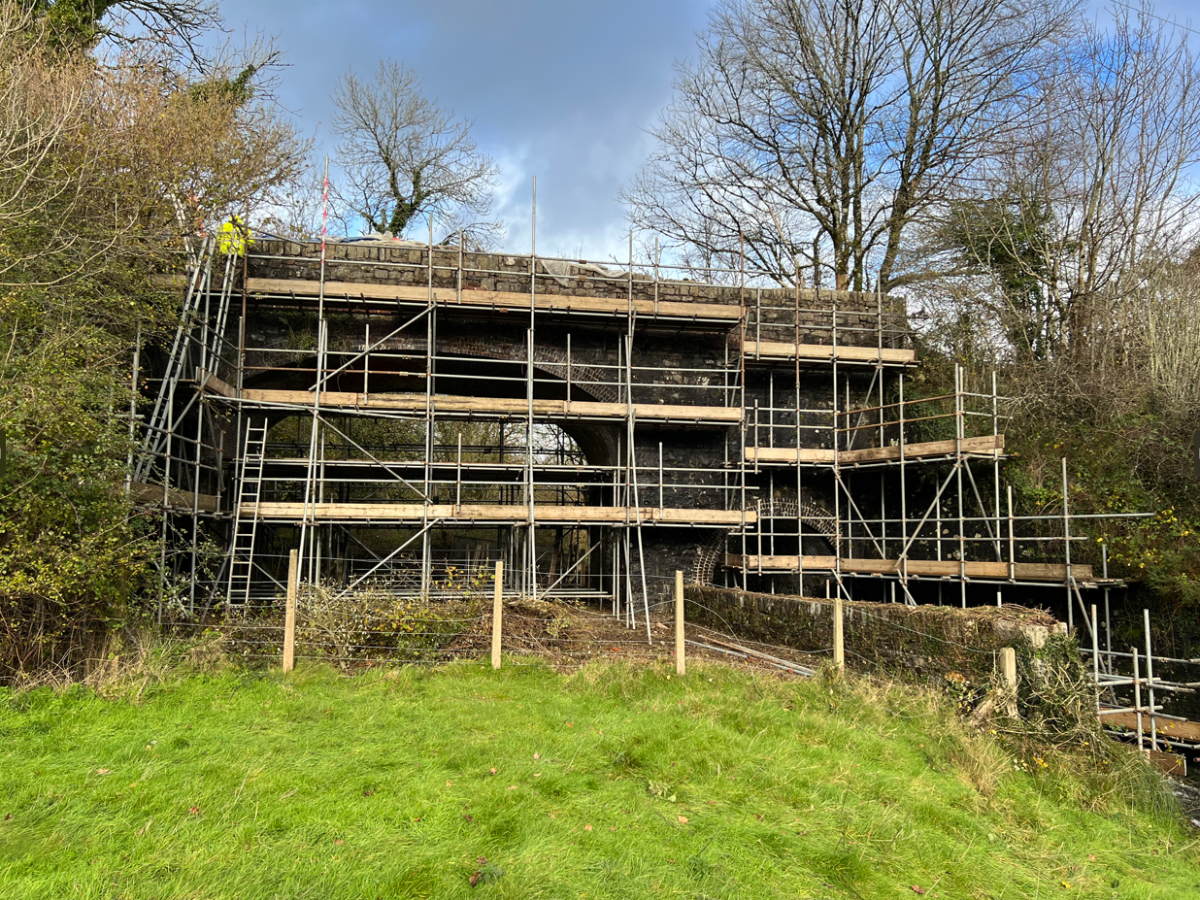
(484, 407)
(988, 445)
(755, 351)
(916, 567)
(387, 513)
(495, 300)
(152, 494)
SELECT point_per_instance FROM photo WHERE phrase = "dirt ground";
(570, 634)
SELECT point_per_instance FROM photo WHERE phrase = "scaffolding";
(405, 415)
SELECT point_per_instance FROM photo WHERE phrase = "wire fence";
(372, 627)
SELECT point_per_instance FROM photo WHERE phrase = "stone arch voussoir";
(708, 555)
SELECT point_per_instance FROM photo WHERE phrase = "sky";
(563, 90)
(560, 89)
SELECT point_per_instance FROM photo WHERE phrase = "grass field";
(612, 782)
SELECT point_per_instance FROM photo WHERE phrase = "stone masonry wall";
(682, 367)
(905, 640)
(771, 311)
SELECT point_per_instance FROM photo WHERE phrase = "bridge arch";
(709, 556)
(469, 361)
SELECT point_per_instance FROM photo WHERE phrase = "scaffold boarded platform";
(825, 353)
(415, 513)
(1168, 728)
(152, 495)
(481, 407)
(936, 568)
(496, 301)
(989, 445)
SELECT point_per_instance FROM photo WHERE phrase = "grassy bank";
(614, 782)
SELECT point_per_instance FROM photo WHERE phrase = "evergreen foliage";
(106, 171)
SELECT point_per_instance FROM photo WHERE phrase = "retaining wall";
(920, 641)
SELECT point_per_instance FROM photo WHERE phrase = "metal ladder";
(245, 526)
(179, 366)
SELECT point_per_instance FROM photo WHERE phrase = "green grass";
(614, 782)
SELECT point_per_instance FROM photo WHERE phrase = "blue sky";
(560, 89)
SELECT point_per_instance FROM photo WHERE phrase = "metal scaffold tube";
(546, 401)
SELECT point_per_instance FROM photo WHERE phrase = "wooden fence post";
(497, 612)
(289, 620)
(1008, 677)
(680, 665)
(839, 639)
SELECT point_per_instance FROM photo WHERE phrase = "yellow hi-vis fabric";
(231, 240)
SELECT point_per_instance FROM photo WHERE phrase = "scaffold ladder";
(157, 430)
(245, 525)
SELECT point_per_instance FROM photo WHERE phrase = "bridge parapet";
(770, 312)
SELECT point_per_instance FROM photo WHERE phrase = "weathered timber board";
(1168, 763)
(1167, 729)
(986, 444)
(788, 455)
(416, 512)
(826, 352)
(924, 567)
(484, 406)
(176, 498)
(499, 300)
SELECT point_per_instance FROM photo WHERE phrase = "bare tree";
(818, 132)
(126, 27)
(404, 157)
(1094, 196)
(96, 160)
(1169, 342)
(302, 212)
